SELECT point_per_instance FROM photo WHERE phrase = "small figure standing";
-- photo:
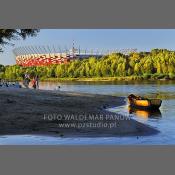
(37, 81)
(26, 80)
(34, 83)
(58, 88)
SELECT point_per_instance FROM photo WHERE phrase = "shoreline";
(22, 112)
(101, 79)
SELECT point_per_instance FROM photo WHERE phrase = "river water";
(164, 120)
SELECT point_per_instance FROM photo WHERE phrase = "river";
(164, 120)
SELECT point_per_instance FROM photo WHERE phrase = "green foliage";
(157, 64)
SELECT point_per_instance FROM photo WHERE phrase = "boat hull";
(150, 107)
(143, 103)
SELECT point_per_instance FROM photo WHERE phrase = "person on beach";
(26, 80)
(34, 83)
(37, 81)
(58, 88)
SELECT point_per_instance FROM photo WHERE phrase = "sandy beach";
(65, 114)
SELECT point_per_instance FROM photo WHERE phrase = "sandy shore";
(67, 114)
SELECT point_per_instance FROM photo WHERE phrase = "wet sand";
(26, 111)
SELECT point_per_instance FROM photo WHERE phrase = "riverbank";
(26, 111)
(128, 78)
(107, 79)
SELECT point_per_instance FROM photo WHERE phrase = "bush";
(158, 76)
(146, 76)
(172, 76)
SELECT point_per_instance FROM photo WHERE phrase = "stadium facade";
(47, 55)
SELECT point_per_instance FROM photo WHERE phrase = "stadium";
(27, 56)
(47, 55)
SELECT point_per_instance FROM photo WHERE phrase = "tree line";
(156, 64)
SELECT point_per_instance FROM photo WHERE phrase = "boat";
(139, 102)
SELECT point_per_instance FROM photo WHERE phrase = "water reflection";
(145, 114)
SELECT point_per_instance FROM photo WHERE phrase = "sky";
(141, 39)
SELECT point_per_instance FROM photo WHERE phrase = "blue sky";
(142, 39)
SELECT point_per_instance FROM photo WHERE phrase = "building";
(45, 55)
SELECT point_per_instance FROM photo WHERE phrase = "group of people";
(9, 84)
(34, 81)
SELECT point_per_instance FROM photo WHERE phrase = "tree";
(113, 68)
(7, 35)
(156, 64)
(148, 67)
(2, 68)
(137, 69)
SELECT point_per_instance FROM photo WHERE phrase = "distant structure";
(46, 55)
